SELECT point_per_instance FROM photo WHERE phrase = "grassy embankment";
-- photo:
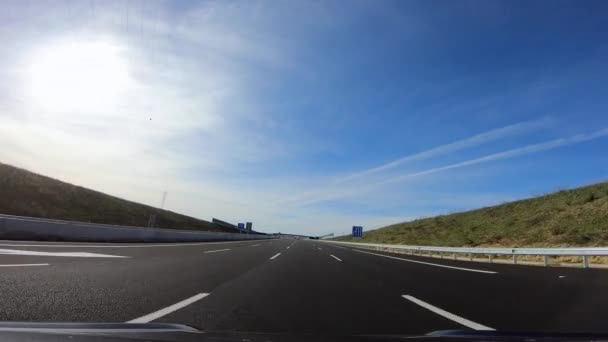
(568, 218)
(25, 193)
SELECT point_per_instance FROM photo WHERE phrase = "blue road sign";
(357, 231)
(241, 226)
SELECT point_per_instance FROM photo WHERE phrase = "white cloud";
(337, 188)
(470, 142)
(180, 115)
(516, 152)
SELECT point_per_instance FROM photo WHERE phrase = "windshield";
(332, 167)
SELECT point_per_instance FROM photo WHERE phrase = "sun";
(77, 76)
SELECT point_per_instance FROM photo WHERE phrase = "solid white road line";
(218, 250)
(169, 309)
(335, 257)
(338, 246)
(143, 245)
(274, 256)
(447, 315)
(427, 263)
(18, 265)
(60, 254)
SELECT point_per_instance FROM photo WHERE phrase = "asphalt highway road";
(293, 286)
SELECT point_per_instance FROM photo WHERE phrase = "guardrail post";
(490, 256)
(455, 258)
(514, 259)
(471, 257)
(440, 255)
(585, 261)
(546, 260)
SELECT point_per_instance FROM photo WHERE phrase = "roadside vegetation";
(577, 217)
(24, 193)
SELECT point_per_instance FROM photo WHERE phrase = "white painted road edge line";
(142, 245)
(274, 256)
(448, 315)
(17, 265)
(60, 254)
(218, 250)
(428, 263)
(338, 246)
(169, 309)
(335, 257)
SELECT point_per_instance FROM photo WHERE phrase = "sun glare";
(77, 76)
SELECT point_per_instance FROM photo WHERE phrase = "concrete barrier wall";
(25, 228)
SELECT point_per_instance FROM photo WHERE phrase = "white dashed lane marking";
(218, 250)
(169, 309)
(448, 315)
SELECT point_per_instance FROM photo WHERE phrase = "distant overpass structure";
(236, 228)
(297, 236)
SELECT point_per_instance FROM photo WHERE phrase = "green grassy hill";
(25, 193)
(577, 217)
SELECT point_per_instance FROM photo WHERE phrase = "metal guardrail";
(30, 228)
(584, 252)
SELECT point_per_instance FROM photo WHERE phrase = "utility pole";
(152, 220)
(162, 203)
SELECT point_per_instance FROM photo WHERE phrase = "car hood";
(130, 332)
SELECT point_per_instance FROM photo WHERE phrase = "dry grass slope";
(577, 217)
(25, 193)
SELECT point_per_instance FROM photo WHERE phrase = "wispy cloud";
(467, 143)
(516, 152)
(476, 140)
(182, 114)
(513, 153)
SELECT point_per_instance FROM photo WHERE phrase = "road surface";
(296, 286)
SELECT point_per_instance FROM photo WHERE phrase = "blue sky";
(307, 116)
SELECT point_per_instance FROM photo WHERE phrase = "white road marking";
(19, 265)
(99, 331)
(218, 250)
(169, 309)
(427, 263)
(143, 245)
(338, 246)
(274, 256)
(255, 245)
(448, 315)
(335, 257)
(288, 247)
(60, 254)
